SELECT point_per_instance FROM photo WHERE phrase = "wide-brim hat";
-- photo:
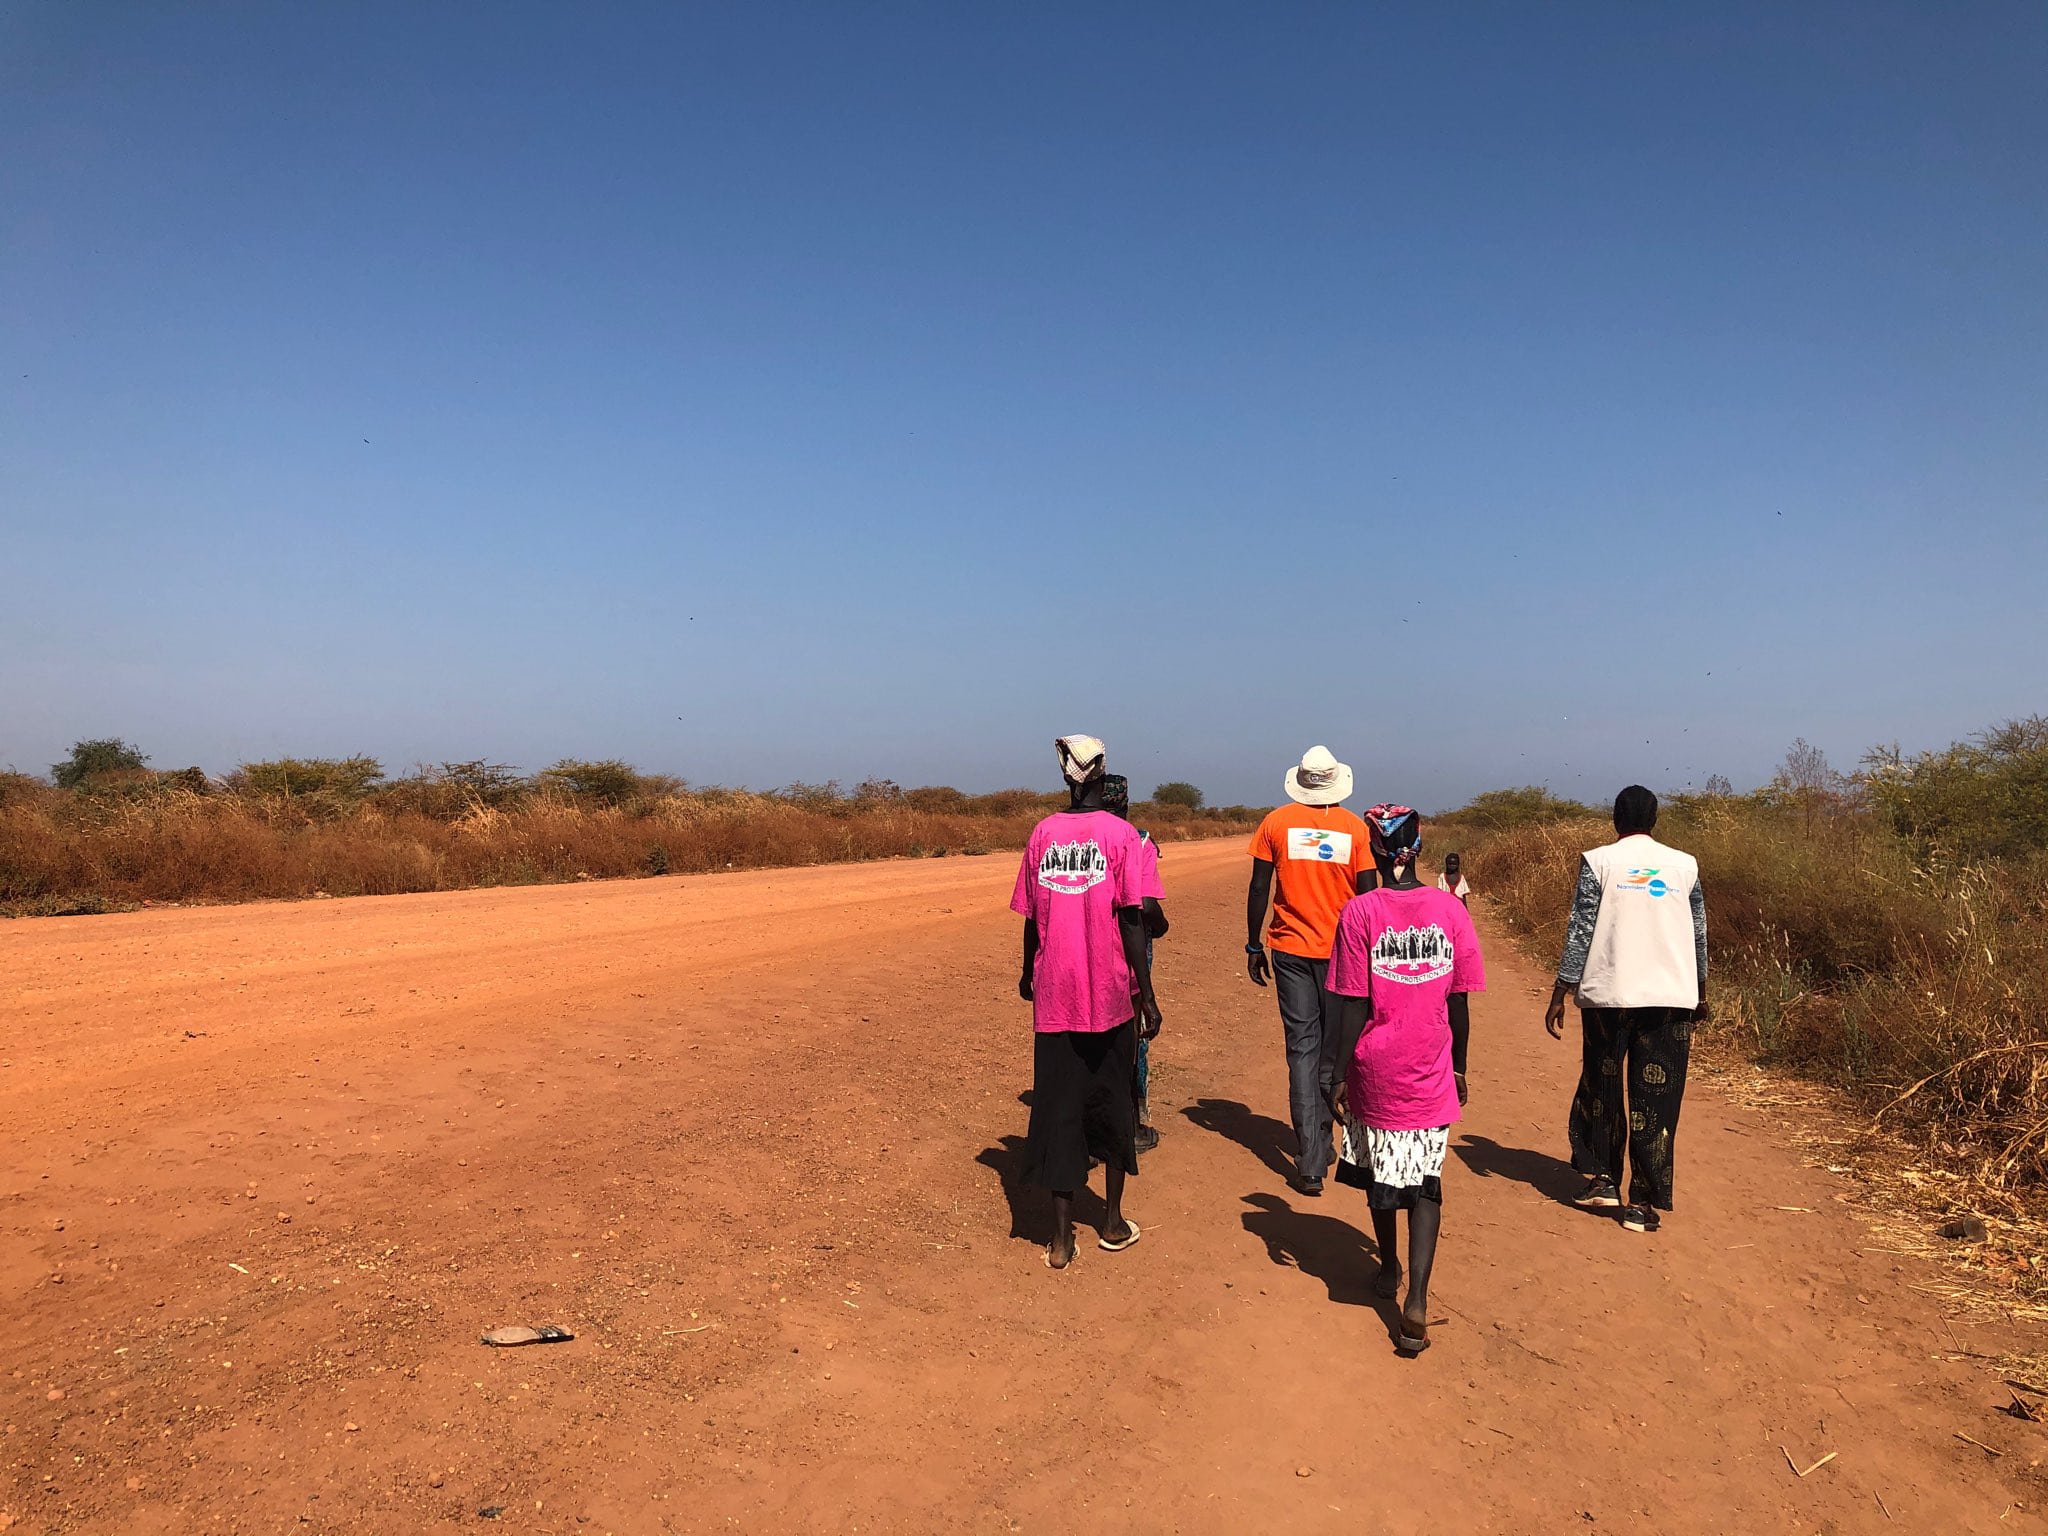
(1319, 779)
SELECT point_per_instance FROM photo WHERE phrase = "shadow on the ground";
(1325, 1247)
(1543, 1173)
(1031, 1207)
(1270, 1141)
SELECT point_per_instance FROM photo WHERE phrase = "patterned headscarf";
(1396, 834)
(1116, 794)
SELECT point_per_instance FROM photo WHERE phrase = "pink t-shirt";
(1078, 868)
(1408, 951)
(1148, 873)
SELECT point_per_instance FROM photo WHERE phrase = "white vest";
(1642, 953)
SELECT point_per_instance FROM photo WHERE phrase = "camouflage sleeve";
(1699, 933)
(1578, 929)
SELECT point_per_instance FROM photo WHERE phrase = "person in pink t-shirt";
(1116, 799)
(1405, 958)
(1080, 890)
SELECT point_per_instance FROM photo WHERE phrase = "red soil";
(268, 1172)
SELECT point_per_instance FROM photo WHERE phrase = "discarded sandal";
(547, 1333)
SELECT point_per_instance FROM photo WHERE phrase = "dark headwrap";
(1116, 794)
(1396, 834)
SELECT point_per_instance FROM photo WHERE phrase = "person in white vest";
(1635, 951)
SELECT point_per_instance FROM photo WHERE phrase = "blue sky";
(1499, 394)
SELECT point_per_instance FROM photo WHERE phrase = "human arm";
(1351, 1024)
(1257, 898)
(1699, 950)
(1578, 943)
(1155, 918)
(1130, 922)
(1024, 979)
(1461, 1037)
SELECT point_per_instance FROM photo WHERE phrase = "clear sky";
(1499, 394)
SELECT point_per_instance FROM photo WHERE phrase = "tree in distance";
(91, 760)
(599, 783)
(1178, 792)
(340, 778)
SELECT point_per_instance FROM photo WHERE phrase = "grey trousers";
(1312, 1017)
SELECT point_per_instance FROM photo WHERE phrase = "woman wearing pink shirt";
(1080, 890)
(1404, 959)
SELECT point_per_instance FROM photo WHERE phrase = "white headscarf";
(1082, 758)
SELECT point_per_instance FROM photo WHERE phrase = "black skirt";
(1082, 1105)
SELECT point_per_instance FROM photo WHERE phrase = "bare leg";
(1114, 1227)
(1059, 1253)
(1425, 1217)
(1386, 1284)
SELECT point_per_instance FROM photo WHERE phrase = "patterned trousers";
(1631, 1082)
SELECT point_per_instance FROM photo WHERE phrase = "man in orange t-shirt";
(1308, 859)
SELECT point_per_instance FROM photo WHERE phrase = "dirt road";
(268, 1171)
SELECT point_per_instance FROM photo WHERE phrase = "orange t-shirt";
(1317, 852)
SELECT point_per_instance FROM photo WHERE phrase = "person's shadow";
(1345, 1259)
(1543, 1173)
(1031, 1207)
(1270, 1141)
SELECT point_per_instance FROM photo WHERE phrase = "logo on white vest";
(1648, 881)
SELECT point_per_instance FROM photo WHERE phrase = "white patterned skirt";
(1394, 1168)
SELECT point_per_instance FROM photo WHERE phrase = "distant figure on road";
(1405, 959)
(1453, 878)
(1308, 859)
(1116, 799)
(1635, 950)
(1080, 891)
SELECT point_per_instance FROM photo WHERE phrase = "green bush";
(1178, 792)
(1531, 805)
(1982, 798)
(609, 782)
(330, 778)
(105, 757)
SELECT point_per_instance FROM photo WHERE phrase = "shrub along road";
(269, 1171)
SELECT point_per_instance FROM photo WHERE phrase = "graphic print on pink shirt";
(1408, 951)
(1078, 868)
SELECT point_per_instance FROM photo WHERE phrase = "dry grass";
(65, 852)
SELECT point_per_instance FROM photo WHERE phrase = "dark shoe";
(1313, 1188)
(1639, 1218)
(1599, 1193)
(1147, 1138)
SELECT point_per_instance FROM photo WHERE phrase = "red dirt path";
(268, 1171)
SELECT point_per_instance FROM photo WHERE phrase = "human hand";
(1340, 1101)
(1553, 1016)
(1024, 986)
(1462, 1093)
(1148, 1010)
(1255, 966)
(1703, 1013)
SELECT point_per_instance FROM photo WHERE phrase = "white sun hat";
(1081, 758)
(1320, 779)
